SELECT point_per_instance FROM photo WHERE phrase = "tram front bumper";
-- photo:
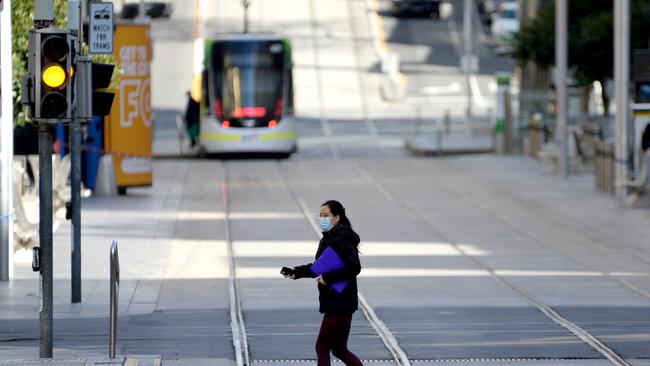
(220, 140)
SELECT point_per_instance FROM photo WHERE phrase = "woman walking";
(337, 307)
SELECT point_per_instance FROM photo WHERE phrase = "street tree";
(591, 39)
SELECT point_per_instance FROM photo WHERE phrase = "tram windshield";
(248, 81)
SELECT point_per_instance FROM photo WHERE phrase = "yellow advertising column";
(128, 129)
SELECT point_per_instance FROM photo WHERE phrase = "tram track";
(547, 310)
(240, 342)
(239, 338)
(325, 125)
(361, 78)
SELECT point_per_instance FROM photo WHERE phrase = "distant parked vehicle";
(506, 23)
(417, 7)
(152, 8)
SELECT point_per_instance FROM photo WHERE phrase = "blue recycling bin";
(62, 138)
(92, 151)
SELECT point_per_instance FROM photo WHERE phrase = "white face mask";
(325, 223)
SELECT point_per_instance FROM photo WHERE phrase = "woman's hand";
(289, 274)
(320, 280)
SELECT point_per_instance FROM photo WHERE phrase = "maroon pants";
(333, 337)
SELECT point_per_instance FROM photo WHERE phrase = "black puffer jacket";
(344, 241)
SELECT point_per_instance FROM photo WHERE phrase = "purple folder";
(329, 261)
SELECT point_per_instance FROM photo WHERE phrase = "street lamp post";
(468, 59)
(621, 90)
(561, 65)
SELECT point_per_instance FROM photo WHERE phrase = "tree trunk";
(605, 97)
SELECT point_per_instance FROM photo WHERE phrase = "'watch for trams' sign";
(100, 28)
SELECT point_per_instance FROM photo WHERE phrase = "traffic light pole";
(44, 17)
(45, 137)
(75, 19)
(75, 188)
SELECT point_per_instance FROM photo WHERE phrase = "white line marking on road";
(454, 87)
(476, 91)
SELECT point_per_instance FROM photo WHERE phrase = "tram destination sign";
(100, 28)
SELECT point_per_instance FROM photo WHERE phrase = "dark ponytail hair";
(338, 210)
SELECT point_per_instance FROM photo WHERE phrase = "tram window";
(249, 60)
(248, 87)
(290, 101)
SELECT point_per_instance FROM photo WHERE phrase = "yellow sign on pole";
(128, 129)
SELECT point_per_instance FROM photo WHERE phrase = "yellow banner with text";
(128, 129)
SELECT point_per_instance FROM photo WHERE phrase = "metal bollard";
(447, 122)
(439, 127)
(115, 292)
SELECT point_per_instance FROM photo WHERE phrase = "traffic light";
(53, 61)
(101, 79)
(91, 78)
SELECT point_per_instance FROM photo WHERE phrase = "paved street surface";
(448, 246)
(473, 260)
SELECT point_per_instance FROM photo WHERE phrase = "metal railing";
(115, 292)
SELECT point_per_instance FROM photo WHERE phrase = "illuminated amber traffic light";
(53, 89)
(54, 76)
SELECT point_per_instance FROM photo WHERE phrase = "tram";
(246, 96)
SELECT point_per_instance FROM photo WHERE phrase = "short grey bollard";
(115, 292)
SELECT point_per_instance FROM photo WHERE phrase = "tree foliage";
(591, 37)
